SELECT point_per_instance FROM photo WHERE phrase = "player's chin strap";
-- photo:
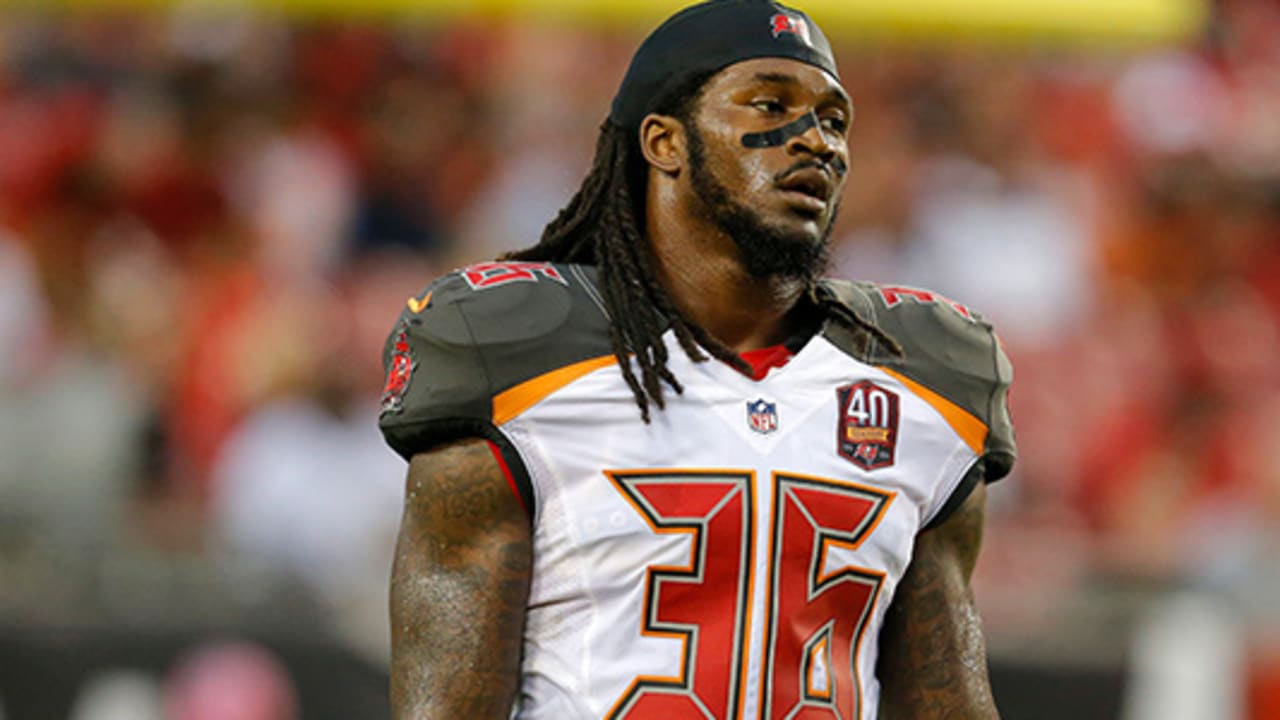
(779, 136)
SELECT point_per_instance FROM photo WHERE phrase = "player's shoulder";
(501, 302)
(940, 333)
(479, 331)
(948, 349)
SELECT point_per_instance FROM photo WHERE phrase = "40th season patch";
(867, 433)
(399, 372)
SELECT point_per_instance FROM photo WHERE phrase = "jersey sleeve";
(472, 335)
(953, 352)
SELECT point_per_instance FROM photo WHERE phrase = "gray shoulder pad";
(477, 332)
(947, 348)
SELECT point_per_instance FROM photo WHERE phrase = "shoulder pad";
(477, 332)
(949, 349)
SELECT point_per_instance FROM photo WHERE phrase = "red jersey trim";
(506, 472)
(765, 359)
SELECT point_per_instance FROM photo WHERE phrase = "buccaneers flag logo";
(784, 24)
(399, 372)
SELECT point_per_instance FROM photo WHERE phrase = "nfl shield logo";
(762, 416)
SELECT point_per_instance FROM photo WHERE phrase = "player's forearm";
(948, 680)
(933, 662)
(459, 589)
(453, 655)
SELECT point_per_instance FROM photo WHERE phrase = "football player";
(659, 467)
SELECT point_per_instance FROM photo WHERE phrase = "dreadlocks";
(602, 226)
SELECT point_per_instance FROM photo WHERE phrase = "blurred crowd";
(208, 223)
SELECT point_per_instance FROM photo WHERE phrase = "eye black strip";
(779, 136)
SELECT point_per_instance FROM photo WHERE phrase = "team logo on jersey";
(784, 24)
(399, 372)
(867, 434)
(762, 416)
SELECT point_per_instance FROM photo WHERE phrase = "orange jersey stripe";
(970, 429)
(510, 403)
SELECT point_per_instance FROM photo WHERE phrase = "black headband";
(709, 37)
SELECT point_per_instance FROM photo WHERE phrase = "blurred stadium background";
(210, 213)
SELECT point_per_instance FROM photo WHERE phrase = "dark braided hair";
(603, 226)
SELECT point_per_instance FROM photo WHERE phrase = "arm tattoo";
(933, 663)
(459, 588)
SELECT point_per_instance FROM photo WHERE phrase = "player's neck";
(702, 270)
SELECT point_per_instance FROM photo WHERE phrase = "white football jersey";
(735, 557)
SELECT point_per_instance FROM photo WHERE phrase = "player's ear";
(662, 140)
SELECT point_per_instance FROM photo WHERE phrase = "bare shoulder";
(933, 661)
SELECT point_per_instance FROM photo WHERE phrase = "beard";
(767, 250)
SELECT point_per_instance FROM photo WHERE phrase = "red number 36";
(815, 614)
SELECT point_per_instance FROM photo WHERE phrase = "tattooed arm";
(458, 588)
(933, 661)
